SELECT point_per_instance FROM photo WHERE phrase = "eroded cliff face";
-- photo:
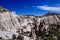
(31, 26)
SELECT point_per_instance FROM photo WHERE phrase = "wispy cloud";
(49, 8)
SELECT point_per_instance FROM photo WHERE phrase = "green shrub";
(13, 37)
(20, 38)
(0, 37)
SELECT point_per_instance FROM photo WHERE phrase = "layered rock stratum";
(32, 26)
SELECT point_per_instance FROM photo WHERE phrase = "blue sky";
(31, 7)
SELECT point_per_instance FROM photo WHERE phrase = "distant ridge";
(51, 13)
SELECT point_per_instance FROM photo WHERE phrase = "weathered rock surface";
(11, 23)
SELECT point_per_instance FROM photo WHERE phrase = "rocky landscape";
(29, 27)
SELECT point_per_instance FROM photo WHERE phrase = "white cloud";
(49, 8)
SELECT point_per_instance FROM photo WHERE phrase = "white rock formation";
(10, 23)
